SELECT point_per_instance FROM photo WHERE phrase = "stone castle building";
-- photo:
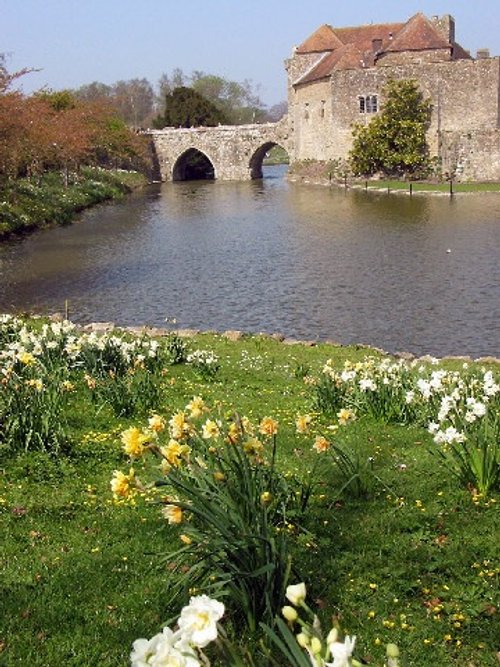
(336, 77)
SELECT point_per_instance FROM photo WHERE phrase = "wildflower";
(198, 620)
(173, 514)
(289, 613)
(266, 497)
(156, 423)
(210, 430)
(165, 648)
(303, 423)
(179, 426)
(36, 384)
(367, 384)
(345, 415)
(91, 382)
(253, 447)
(185, 539)
(133, 441)
(321, 444)
(268, 426)
(296, 593)
(174, 453)
(409, 397)
(341, 652)
(26, 358)
(121, 484)
(196, 407)
(234, 432)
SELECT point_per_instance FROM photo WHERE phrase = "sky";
(76, 42)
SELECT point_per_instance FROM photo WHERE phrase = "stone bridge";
(226, 152)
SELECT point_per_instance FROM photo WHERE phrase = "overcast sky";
(75, 42)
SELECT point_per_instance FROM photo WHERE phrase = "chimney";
(446, 26)
(376, 45)
(482, 54)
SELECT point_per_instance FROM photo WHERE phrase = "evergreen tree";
(394, 142)
(185, 107)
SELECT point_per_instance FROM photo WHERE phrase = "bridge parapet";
(235, 151)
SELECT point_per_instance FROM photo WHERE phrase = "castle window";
(322, 109)
(368, 104)
(306, 110)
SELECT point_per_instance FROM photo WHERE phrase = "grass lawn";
(404, 555)
(421, 186)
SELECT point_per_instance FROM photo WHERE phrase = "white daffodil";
(198, 620)
(296, 593)
(341, 652)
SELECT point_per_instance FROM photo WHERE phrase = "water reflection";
(420, 274)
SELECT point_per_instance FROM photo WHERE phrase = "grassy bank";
(329, 173)
(30, 204)
(394, 547)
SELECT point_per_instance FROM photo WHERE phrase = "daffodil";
(296, 593)
(303, 423)
(268, 426)
(198, 620)
(122, 485)
(134, 441)
(210, 430)
(321, 444)
(173, 514)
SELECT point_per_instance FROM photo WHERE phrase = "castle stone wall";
(465, 106)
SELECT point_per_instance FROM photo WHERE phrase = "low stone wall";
(236, 335)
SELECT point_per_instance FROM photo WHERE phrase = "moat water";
(420, 274)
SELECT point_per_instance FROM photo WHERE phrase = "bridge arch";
(235, 152)
(258, 158)
(193, 165)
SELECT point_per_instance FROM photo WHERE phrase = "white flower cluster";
(448, 402)
(309, 638)
(62, 342)
(203, 358)
(197, 627)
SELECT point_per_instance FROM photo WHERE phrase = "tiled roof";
(323, 39)
(363, 36)
(345, 57)
(352, 48)
(417, 35)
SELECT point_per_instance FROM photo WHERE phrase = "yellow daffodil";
(210, 430)
(156, 423)
(172, 513)
(253, 447)
(345, 415)
(122, 485)
(175, 453)
(268, 426)
(134, 441)
(321, 444)
(302, 423)
(196, 407)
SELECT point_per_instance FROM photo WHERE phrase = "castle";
(337, 75)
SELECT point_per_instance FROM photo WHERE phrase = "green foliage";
(33, 408)
(59, 100)
(185, 107)
(27, 204)
(239, 508)
(415, 566)
(394, 142)
(238, 102)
